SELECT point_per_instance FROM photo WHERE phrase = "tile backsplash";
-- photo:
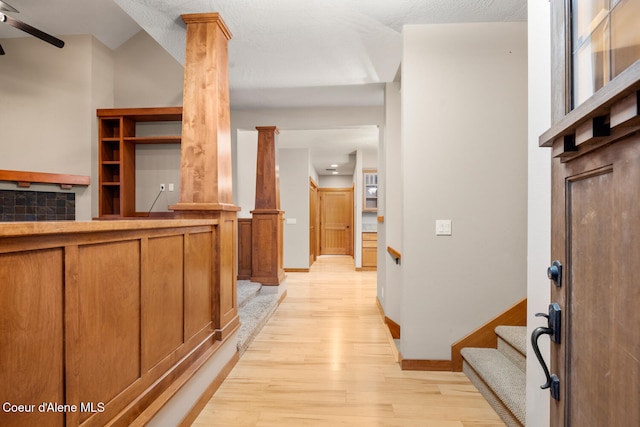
(36, 206)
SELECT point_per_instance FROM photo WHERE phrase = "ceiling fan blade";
(5, 7)
(1, 50)
(33, 31)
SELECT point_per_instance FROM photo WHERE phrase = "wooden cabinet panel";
(162, 299)
(31, 335)
(225, 293)
(244, 248)
(267, 247)
(369, 257)
(198, 292)
(109, 319)
(370, 250)
(262, 231)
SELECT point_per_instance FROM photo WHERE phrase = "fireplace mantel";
(25, 179)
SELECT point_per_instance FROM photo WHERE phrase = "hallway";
(324, 359)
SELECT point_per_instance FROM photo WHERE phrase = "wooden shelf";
(153, 114)
(25, 179)
(599, 104)
(153, 139)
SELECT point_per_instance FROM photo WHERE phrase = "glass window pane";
(591, 64)
(586, 16)
(625, 35)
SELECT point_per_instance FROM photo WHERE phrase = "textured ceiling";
(301, 44)
(102, 18)
(284, 53)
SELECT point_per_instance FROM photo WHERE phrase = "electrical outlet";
(161, 187)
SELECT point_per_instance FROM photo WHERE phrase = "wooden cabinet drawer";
(369, 249)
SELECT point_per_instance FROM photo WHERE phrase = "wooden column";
(205, 158)
(266, 228)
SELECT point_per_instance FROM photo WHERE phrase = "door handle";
(553, 330)
(554, 321)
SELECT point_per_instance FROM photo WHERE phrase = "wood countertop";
(20, 229)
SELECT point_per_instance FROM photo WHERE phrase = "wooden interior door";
(336, 221)
(596, 211)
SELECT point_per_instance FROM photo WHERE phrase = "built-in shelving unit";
(117, 157)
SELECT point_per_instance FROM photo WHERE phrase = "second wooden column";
(267, 257)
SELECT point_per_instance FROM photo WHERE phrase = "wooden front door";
(336, 221)
(595, 222)
(596, 230)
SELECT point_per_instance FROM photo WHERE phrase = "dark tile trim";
(37, 206)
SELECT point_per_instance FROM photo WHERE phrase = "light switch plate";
(291, 220)
(443, 227)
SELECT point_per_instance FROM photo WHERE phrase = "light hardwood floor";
(325, 359)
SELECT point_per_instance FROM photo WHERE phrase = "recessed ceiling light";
(335, 172)
(334, 165)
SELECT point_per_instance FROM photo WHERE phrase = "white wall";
(464, 148)
(47, 113)
(313, 173)
(294, 201)
(370, 159)
(357, 208)
(146, 75)
(293, 119)
(390, 287)
(157, 164)
(335, 181)
(539, 211)
(244, 189)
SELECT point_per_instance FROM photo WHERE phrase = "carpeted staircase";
(499, 373)
(255, 307)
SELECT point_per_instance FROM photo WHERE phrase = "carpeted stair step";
(512, 342)
(246, 290)
(253, 316)
(499, 380)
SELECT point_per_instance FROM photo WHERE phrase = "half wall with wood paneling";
(102, 317)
